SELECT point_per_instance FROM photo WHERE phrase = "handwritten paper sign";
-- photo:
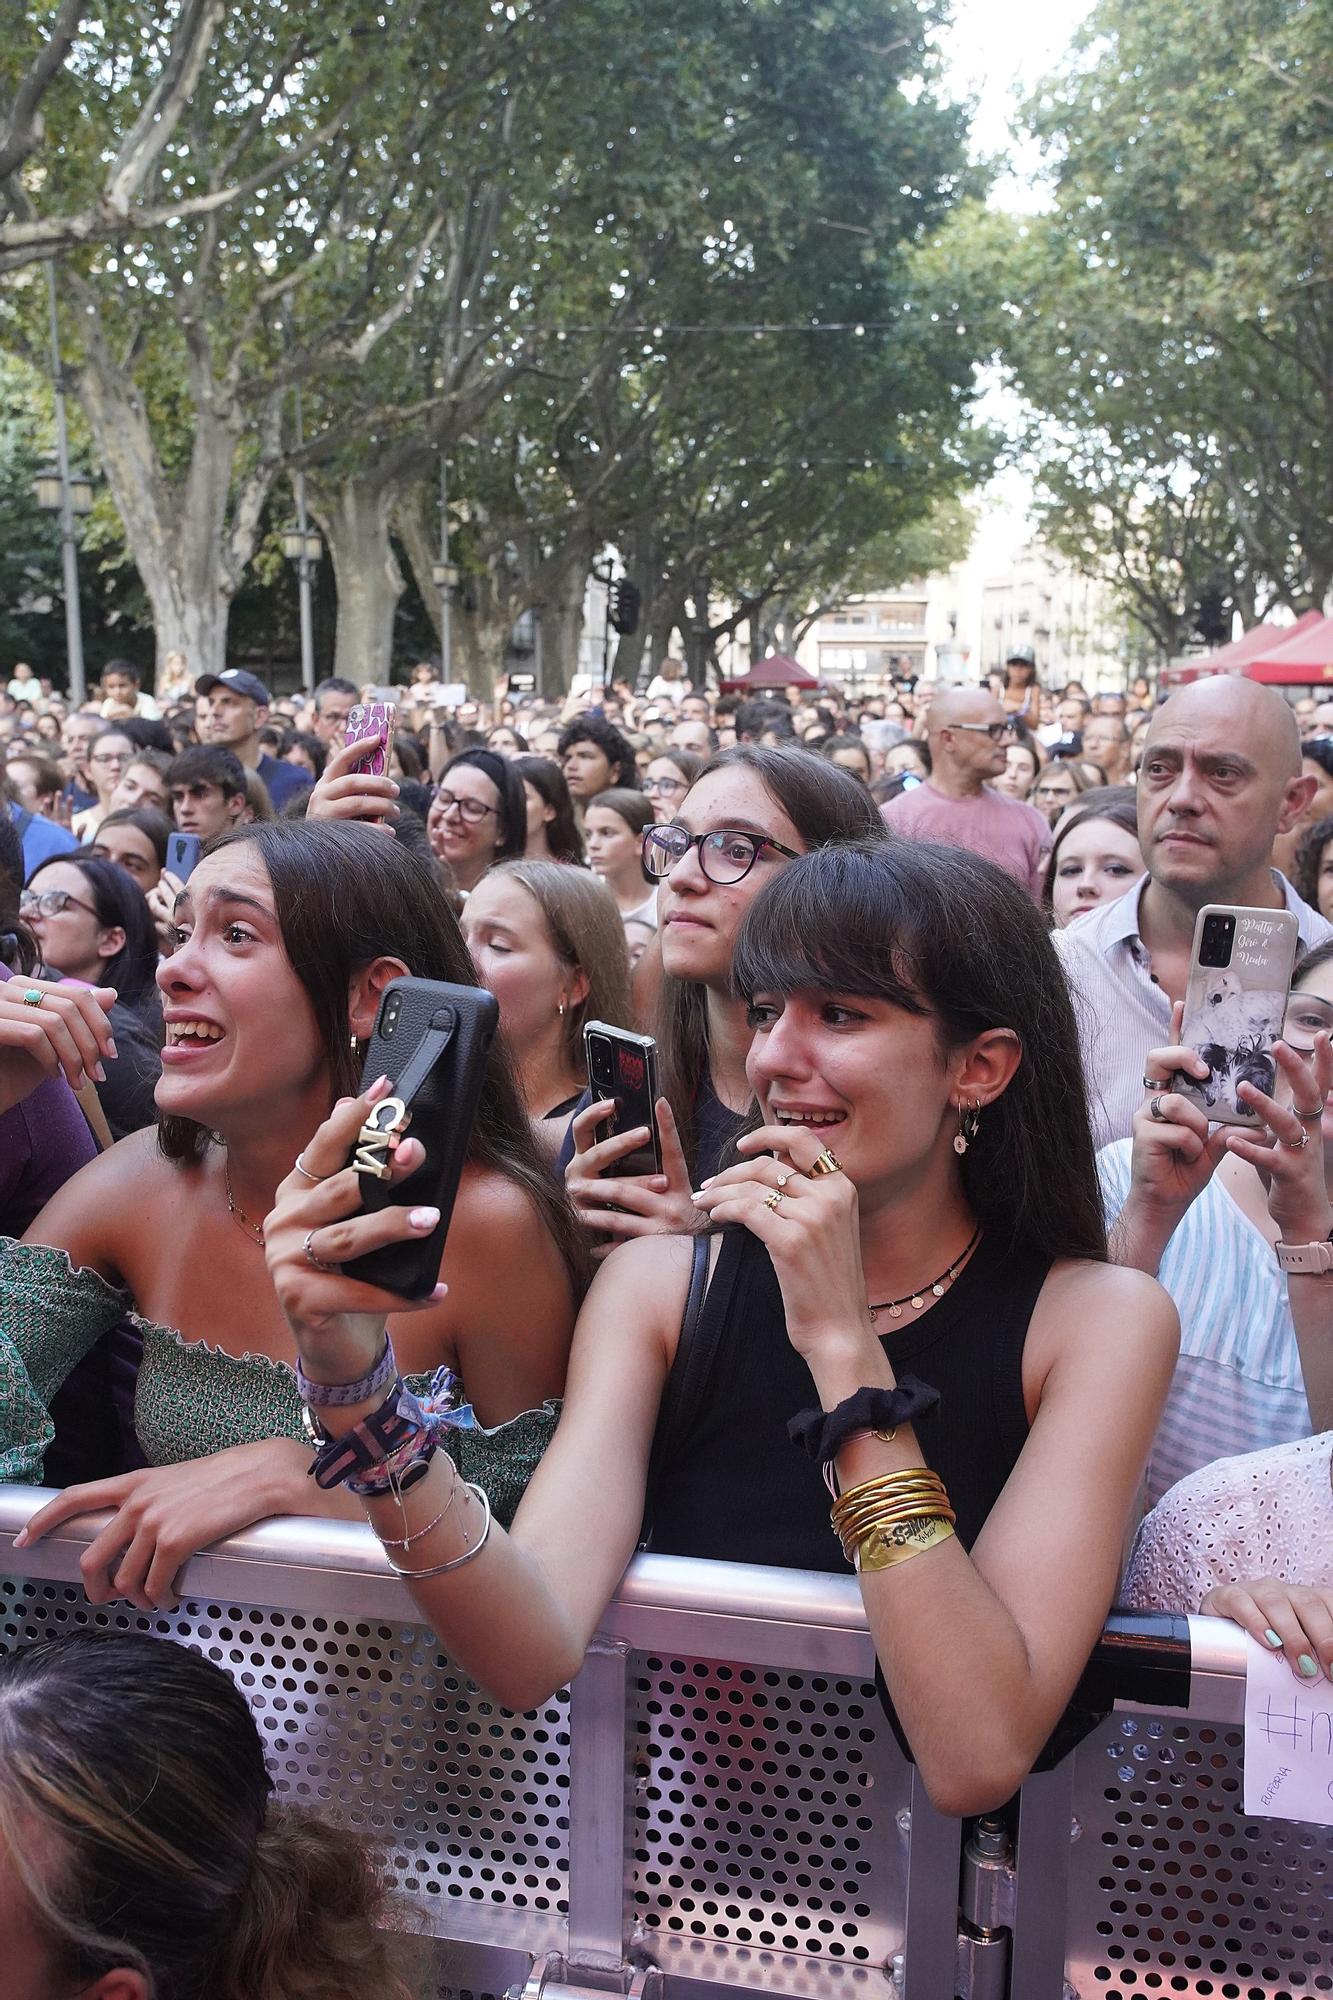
(1288, 1740)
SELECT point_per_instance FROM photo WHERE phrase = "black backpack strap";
(685, 1385)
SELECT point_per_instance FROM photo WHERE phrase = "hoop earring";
(560, 1010)
(969, 1124)
(354, 1045)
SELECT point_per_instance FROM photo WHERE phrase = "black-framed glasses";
(471, 810)
(726, 855)
(997, 731)
(666, 786)
(51, 903)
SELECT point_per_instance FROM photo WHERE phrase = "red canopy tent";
(1304, 659)
(779, 670)
(1259, 642)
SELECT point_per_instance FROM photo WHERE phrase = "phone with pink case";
(373, 719)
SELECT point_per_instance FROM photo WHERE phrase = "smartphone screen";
(183, 851)
(371, 718)
(624, 1067)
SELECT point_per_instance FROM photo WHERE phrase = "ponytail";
(313, 1919)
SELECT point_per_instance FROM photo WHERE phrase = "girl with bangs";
(905, 1273)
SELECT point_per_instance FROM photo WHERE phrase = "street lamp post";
(303, 562)
(59, 491)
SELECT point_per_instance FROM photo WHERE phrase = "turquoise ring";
(32, 998)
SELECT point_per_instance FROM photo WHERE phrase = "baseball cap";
(239, 682)
(1021, 655)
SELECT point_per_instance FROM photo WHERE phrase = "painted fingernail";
(111, 1048)
(1308, 1667)
(99, 1073)
(440, 1292)
(709, 1181)
(423, 1218)
(21, 1539)
(1274, 1638)
(698, 1196)
(377, 1089)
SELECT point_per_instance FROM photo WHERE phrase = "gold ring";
(773, 1199)
(784, 1178)
(827, 1163)
(32, 998)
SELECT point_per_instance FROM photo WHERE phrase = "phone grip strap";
(389, 1119)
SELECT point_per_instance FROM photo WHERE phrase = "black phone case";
(443, 1105)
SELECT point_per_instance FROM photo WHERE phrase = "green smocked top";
(190, 1399)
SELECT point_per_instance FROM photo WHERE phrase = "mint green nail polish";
(1274, 1639)
(1307, 1666)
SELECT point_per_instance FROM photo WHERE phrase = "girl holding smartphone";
(910, 1259)
(285, 939)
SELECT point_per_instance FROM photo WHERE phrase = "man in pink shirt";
(968, 731)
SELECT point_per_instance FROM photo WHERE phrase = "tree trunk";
(561, 614)
(354, 514)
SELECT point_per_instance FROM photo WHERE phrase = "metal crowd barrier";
(717, 1804)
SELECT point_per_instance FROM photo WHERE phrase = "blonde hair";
(587, 933)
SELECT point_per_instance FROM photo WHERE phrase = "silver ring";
(1299, 1147)
(1155, 1111)
(782, 1181)
(302, 1168)
(311, 1258)
(1157, 1083)
(1309, 1117)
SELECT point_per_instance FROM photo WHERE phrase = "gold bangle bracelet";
(892, 1484)
(884, 1551)
(888, 1517)
(926, 1495)
(889, 1525)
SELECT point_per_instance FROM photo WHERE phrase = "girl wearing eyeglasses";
(92, 924)
(751, 811)
(667, 778)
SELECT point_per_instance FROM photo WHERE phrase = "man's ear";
(365, 990)
(1295, 800)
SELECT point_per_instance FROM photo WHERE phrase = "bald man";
(1219, 781)
(968, 731)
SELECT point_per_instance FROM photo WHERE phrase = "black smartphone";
(183, 851)
(624, 1066)
(432, 1041)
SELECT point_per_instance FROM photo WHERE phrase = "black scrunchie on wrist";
(823, 1433)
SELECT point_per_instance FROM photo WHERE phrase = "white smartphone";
(1240, 975)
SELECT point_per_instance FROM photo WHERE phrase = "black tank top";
(737, 1490)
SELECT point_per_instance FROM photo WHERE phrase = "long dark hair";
(345, 896)
(937, 931)
(548, 781)
(120, 904)
(148, 820)
(1309, 854)
(18, 946)
(825, 804)
(513, 805)
(137, 1813)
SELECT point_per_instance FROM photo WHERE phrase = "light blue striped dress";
(1237, 1385)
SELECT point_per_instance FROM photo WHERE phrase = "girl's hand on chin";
(812, 1232)
(337, 1322)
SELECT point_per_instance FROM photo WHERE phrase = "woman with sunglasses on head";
(286, 937)
(92, 924)
(909, 1278)
(1206, 1210)
(749, 813)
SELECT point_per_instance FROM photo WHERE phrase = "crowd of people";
(930, 1222)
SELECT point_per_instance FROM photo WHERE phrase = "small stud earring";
(969, 1123)
(561, 1010)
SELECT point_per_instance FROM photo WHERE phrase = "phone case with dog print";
(1240, 973)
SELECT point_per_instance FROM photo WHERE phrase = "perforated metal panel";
(1175, 1890)
(766, 1812)
(367, 1722)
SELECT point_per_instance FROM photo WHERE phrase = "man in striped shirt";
(1219, 780)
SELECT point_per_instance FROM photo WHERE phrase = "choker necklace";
(239, 1216)
(936, 1288)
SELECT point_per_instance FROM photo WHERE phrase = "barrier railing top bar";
(794, 1619)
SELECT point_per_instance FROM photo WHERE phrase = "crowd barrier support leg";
(926, 1967)
(1041, 1887)
(598, 1814)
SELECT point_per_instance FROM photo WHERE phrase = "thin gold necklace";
(237, 1213)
